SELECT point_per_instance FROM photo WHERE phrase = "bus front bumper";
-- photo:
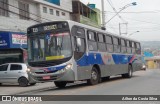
(67, 75)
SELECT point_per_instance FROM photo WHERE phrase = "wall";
(13, 23)
(64, 4)
(53, 17)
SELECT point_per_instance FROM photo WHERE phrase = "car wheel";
(61, 84)
(23, 82)
(0, 84)
(32, 84)
(95, 77)
(129, 74)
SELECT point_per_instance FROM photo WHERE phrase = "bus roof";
(86, 26)
(100, 30)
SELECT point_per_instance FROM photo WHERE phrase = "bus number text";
(52, 27)
(35, 29)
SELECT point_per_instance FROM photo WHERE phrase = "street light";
(133, 33)
(131, 4)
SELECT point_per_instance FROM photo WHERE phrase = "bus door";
(79, 45)
(80, 55)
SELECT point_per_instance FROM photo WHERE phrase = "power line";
(24, 11)
(143, 21)
(114, 9)
(140, 12)
(19, 14)
(148, 22)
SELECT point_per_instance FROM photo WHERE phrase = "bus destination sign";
(44, 28)
(48, 27)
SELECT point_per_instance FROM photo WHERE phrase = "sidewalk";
(10, 89)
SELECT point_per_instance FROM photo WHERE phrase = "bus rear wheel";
(61, 84)
(129, 74)
(95, 77)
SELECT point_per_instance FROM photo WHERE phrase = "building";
(86, 14)
(153, 62)
(17, 15)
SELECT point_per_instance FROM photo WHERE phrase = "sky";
(144, 17)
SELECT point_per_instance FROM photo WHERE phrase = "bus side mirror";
(78, 42)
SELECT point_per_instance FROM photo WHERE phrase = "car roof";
(14, 63)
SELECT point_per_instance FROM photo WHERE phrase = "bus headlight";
(69, 66)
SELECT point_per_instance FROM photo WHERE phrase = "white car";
(16, 73)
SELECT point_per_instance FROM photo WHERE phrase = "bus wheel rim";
(94, 75)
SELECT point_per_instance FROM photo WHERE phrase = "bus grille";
(46, 72)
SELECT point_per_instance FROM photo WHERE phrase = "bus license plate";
(46, 77)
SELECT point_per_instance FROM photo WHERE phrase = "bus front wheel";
(94, 77)
(61, 84)
(129, 74)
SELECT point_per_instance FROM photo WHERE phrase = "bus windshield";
(50, 46)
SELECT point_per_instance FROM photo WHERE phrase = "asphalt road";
(142, 83)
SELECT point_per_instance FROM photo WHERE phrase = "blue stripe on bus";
(50, 69)
(96, 58)
(90, 59)
(120, 59)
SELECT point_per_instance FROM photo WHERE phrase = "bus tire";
(61, 84)
(23, 82)
(95, 77)
(129, 74)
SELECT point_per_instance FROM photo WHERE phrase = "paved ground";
(142, 83)
(11, 89)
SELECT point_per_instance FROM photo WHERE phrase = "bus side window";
(109, 43)
(123, 46)
(133, 47)
(128, 47)
(116, 45)
(79, 47)
(138, 48)
(92, 41)
(101, 43)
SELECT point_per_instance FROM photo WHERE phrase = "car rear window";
(3, 68)
(16, 67)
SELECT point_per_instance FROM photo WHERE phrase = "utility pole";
(103, 16)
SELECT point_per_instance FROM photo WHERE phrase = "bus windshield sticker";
(54, 57)
(60, 34)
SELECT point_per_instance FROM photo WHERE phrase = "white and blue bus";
(67, 51)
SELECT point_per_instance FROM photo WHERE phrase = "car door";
(3, 73)
(14, 73)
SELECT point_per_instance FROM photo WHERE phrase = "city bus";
(67, 51)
